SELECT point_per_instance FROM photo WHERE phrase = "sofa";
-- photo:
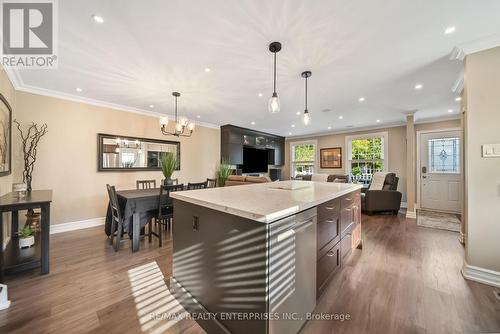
(236, 180)
(340, 178)
(386, 199)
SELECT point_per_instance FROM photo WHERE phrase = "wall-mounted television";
(254, 160)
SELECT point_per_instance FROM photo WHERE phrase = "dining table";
(137, 208)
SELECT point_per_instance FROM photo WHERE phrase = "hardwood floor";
(405, 280)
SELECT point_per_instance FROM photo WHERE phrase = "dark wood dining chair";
(116, 218)
(211, 183)
(145, 184)
(199, 185)
(165, 205)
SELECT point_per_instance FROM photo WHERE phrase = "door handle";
(330, 207)
(424, 177)
(330, 254)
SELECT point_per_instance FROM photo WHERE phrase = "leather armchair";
(386, 200)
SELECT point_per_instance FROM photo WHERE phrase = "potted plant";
(26, 237)
(168, 164)
(223, 172)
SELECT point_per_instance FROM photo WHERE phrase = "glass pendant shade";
(191, 126)
(178, 127)
(274, 104)
(163, 121)
(306, 118)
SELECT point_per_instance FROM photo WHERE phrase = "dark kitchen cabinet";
(233, 138)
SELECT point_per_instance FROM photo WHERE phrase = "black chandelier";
(183, 127)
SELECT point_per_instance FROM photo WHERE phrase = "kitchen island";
(254, 258)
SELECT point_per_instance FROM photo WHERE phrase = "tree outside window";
(367, 157)
(303, 159)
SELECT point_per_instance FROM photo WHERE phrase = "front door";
(440, 171)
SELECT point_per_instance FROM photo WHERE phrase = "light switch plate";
(491, 151)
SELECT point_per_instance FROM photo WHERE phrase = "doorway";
(439, 173)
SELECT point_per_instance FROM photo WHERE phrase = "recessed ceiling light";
(289, 133)
(458, 99)
(253, 123)
(419, 86)
(341, 117)
(297, 113)
(98, 18)
(207, 69)
(151, 106)
(79, 90)
(361, 99)
(450, 30)
(450, 110)
(293, 125)
(329, 128)
(378, 121)
(198, 116)
(260, 94)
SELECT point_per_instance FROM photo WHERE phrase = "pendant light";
(183, 127)
(274, 101)
(306, 118)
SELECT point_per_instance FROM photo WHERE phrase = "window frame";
(385, 150)
(304, 142)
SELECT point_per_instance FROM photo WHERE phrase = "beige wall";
(396, 149)
(482, 78)
(67, 155)
(9, 93)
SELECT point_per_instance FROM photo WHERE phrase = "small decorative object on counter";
(26, 237)
(19, 189)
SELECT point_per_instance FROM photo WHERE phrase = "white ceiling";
(378, 49)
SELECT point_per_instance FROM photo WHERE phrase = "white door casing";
(440, 171)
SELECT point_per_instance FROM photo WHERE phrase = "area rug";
(439, 220)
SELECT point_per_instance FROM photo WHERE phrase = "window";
(444, 155)
(366, 156)
(303, 158)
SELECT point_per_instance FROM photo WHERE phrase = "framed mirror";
(123, 153)
(5, 136)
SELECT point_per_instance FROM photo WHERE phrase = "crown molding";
(371, 128)
(460, 51)
(19, 85)
(458, 86)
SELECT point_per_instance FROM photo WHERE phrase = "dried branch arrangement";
(29, 142)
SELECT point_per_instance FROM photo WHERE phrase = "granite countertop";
(266, 202)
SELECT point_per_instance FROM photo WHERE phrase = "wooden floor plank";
(405, 280)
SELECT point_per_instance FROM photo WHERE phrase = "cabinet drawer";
(327, 265)
(328, 231)
(346, 219)
(329, 209)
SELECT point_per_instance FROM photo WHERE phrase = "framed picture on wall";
(5, 136)
(331, 157)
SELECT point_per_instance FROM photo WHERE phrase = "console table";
(15, 259)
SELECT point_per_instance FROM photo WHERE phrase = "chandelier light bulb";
(191, 126)
(178, 127)
(163, 121)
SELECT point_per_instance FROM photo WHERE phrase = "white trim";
(485, 43)
(6, 242)
(404, 205)
(378, 127)
(419, 168)
(19, 85)
(411, 214)
(302, 142)
(77, 225)
(481, 275)
(348, 145)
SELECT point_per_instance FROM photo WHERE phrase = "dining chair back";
(199, 185)
(145, 184)
(116, 218)
(165, 205)
(211, 183)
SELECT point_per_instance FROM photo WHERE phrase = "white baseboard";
(481, 275)
(78, 225)
(404, 205)
(411, 214)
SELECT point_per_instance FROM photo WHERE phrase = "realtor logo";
(29, 31)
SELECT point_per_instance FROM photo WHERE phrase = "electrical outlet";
(491, 151)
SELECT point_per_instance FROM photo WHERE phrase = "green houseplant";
(26, 237)
(168, 164)
(223, 172)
